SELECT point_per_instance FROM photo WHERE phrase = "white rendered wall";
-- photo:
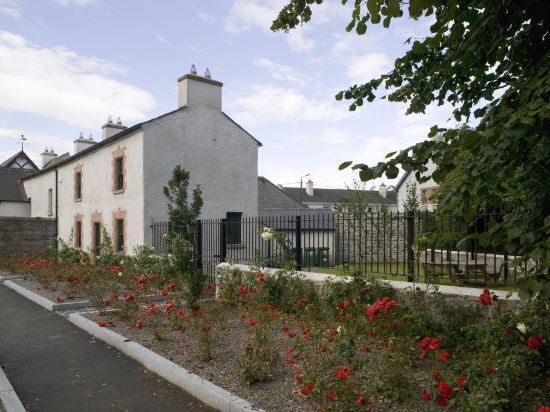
(15, 209)
(220, 156)
(402, 192)
(97, 192)
(36, 190)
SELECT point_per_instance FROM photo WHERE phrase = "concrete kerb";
(444, 289)
(198, 387)
(55, 306)
(8, 397)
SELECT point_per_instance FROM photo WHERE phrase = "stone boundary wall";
(372, 239)
(26, 235)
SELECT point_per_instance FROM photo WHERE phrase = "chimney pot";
(109, 119)
(383, 190)
(199, 91)
(193, 70)
(309, 187)
(207, 74)
(110, 129)
(47, 156)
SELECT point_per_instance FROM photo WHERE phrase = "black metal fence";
(409, 246)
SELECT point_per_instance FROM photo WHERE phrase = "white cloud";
(247, 14)
(36, 142)
(67, 3)
(280, 71)
(11, 9)
(162, 39)
(264, 104)
(361, 69)
(297, 40)
(59, 83)
(207, 18)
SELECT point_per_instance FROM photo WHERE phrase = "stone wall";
(372, 239)
(26, 235)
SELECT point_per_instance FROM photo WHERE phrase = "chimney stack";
(81, 143)
(47, 156)
(195, 90)
(110, 129)
(309, 187)
(383, 190)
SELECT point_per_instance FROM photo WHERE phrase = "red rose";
(534, 342)
(434, 344)
(490, 370)
(366, 349)
(543, 409)
(138, 324)
(101, 324)
(331, 395)
(461, 381)
(343, 373)
(444, 356)
(359, 400)
(485, 297)
(436, 376)
(307, 389)
(425, 395)
(425, 342)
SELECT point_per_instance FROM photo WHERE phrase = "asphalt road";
(54, 366)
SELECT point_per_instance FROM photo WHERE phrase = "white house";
(424, 191)
(118, 182)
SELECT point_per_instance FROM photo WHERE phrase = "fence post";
(223, 240)
(198, 246)
(410, 241)
(298, 243)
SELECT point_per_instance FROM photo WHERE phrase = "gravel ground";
(50, 294)
(223, 369)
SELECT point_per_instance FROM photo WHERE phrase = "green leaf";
(485, 239)
(391, 154)
(392, 172)
(339, 95)
(365, 175)
(345, 165)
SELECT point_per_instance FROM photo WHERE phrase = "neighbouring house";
(330, 199)
(425, 191)
(13, 200)
(118, 182)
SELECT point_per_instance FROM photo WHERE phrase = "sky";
(66, 65)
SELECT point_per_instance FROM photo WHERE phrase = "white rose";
(268, 233)
(339, 329)
(522, 328)
(119, 273)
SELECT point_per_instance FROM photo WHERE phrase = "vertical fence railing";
(419, 246)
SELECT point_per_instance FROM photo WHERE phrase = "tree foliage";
(181, 237)
(491, 62)
(411, 202)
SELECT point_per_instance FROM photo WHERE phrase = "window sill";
(50, 214)
(118, 192)
(79, 199)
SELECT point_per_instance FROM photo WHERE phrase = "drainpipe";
(56, 210)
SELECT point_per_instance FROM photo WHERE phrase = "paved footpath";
(54, 366)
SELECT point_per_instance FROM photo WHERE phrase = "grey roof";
(9, 162)
(285, 219)
(51, 164)
(272, 197)
(58, 159)
(11, 189)
(332, 196)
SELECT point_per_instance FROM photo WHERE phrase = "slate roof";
(271, 197)
(331, 196)
(11, 189)
(51, 164)
(10, 162)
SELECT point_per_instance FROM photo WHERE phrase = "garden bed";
(223, 369)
